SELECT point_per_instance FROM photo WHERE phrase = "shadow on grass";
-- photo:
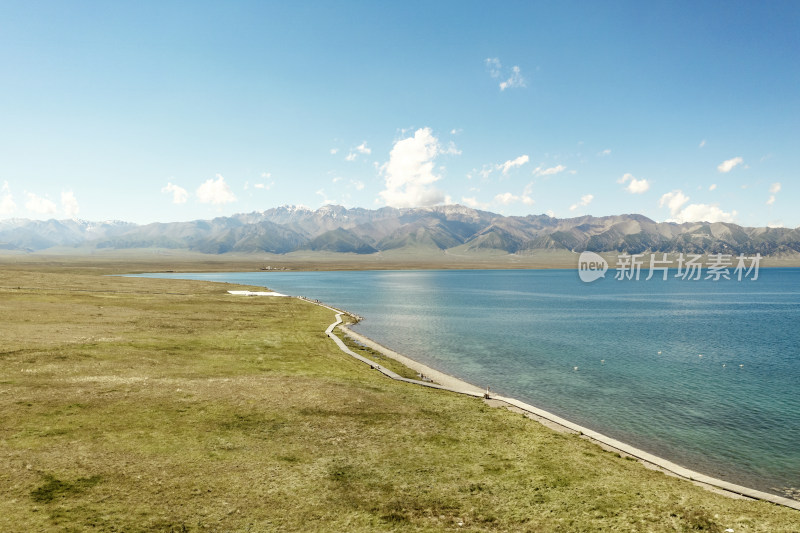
(53, 488)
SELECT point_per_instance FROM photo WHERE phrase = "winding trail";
(452, 384)
(461, 387)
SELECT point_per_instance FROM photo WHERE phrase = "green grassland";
(133, 404)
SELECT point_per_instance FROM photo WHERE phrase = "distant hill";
(364, 231)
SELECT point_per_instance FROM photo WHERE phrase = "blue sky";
(166, 111)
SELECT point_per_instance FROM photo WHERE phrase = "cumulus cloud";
(712, 187)
(7, 204)
(702, 143)
(69, 204)
(505, 198)
(539, 171)
(773, 190)
(729, 164)
(527, 199)
(513, 163)
(215, 192)
(586, 199)
(40, 205)
(705, 213)
(409, 173)
(358, 185)
(179, 194)
(473, 203)
(362, 148)
(635, 186)
(605, 152)
(675, 202)
(334, 151)
(351, 156)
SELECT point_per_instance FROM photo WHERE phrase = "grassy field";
(153, 405)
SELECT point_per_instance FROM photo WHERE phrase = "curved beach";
(443, 381)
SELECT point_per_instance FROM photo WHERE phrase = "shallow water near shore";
(703, 373)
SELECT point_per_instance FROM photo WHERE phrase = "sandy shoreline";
(453, 384)
(443, 381)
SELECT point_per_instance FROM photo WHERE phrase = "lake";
(703, 373)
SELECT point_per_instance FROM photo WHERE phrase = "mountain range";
(452, 228)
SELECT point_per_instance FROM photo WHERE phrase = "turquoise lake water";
(733, 413)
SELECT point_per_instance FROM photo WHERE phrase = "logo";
(591, 267)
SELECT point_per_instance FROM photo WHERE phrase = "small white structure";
(254, 293)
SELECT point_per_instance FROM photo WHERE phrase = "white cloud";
(69, 204)
(514, 81)
(473, 203)
(265, 186)
(456, 131)
(513, 163)
(215, 192)
(495, 69)
(409, 172)
(179, 194)
(337, 179)
(635, 186)
(675, 201)
(351, 156)
(773, 190)
(702, 143)
(334, 151)
(451, 149)
(484, 172)
(729, 164)
(704, 213)
(359, 185)
(586, 199)
(494, 66)
(7, 204)
(605, 152)
(40, 205)
(527, 199)
(539, 171)
(776, 224)
(712, 187)
(506, 198)
(324, 196)
(362, 148)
